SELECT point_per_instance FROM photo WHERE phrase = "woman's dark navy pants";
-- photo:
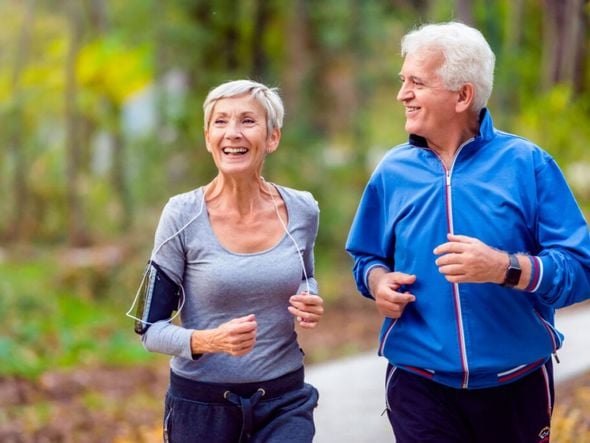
(279, 410)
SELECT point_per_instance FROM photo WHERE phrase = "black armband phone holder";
(158, 299)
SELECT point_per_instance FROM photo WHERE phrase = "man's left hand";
(468, 260)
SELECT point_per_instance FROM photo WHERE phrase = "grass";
(50, 321)
(571, 418)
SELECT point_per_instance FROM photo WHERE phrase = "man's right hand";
(384, 287)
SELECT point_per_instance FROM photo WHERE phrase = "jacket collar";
(485, 133)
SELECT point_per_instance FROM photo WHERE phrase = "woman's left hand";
(307, 308)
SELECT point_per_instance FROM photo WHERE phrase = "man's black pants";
(421, 410)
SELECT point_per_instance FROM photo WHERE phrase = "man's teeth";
(234, 150)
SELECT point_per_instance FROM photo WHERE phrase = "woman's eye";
(219, 121)
(249, 121)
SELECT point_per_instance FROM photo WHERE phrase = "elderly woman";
(235, 259)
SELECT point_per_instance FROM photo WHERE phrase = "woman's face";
(237, 135)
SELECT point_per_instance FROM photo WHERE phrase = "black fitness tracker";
(513, 272)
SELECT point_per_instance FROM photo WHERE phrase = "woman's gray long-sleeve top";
(220, 285)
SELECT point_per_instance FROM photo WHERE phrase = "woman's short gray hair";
(268, 97)
(468, 57)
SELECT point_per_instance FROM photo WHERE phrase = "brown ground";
(101, 405)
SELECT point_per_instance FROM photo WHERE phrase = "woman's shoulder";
(299, 198)
(184, 204)
(188, 198)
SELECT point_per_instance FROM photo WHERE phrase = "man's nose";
(403, 93)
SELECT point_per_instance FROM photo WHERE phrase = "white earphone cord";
(291, 237)
(183, 297)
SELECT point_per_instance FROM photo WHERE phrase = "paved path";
(356, 417)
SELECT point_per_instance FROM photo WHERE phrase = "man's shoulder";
(511, 140)
(519, 145)
(405, 148)
(398, 155)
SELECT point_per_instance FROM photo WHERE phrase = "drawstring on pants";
(246, 404)
(242, 395)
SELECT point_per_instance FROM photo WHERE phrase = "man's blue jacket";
(510, 194)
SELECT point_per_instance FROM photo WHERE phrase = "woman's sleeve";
(311, 233)
(168, 258)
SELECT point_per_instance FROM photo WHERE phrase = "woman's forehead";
(240, 104)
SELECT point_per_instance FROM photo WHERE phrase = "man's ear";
(465, 97)
(273, 141)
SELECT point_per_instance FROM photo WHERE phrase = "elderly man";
(467, 238)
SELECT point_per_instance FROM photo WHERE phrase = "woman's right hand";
(235, 337)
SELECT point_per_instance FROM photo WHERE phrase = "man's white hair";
(468, 57)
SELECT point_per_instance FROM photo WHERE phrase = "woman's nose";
(233, 130)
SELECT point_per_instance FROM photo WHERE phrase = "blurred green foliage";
(49, 322)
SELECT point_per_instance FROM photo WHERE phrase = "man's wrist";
(513, 272)
(373, 276)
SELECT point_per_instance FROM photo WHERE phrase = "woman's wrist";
(202, 341)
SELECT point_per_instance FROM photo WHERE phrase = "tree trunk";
(232, 35)
(565, 42)
(464, 12)
(160, 64)
(98, 15)
(259, 59)
(582, 48)
(513, 39)
(20, 191)
(360, 50)
(298, 67)
(77, 230)
(119, 179)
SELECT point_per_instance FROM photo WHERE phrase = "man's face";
(430, 106)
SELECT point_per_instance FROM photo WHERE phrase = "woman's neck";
(241, 196)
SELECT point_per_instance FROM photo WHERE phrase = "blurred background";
(101, 122)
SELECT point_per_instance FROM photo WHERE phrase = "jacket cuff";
(542, 272)
(368, 269)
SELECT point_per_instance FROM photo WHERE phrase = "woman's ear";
(207, 141)
(273, 141)
(465, 97)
